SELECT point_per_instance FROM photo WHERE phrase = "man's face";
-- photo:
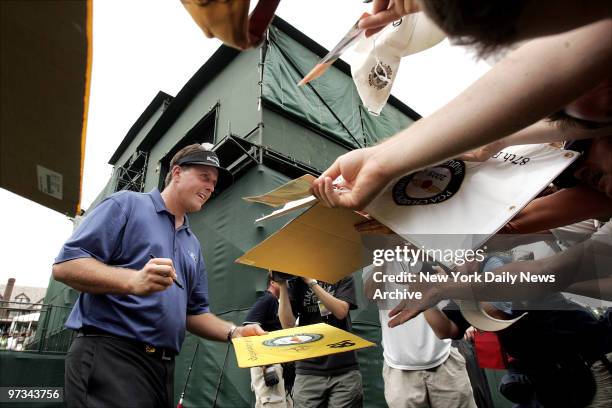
(195, 184)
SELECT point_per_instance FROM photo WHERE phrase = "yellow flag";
(297, 343)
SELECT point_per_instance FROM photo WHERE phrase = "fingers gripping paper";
(297, 343)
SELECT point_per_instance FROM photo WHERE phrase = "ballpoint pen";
(174, 280)
(353, 35)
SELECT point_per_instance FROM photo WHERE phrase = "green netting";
(330, 103)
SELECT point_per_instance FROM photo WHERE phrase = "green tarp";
(330, 103)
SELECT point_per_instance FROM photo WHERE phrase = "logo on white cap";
(213, 159)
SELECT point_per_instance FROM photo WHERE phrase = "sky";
(141, 47)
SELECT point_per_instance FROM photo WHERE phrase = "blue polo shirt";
(124, 231)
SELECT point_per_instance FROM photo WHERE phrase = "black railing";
(34, 327)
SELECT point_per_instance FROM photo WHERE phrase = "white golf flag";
(459, 205)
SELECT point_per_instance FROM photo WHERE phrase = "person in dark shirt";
(562, 348)
(564, 353)
(334, 380)
(264, 311)
(271, 384)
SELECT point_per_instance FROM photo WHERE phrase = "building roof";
(33, 293)
(207, 72)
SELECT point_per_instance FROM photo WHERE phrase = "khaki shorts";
(338, 391)
(444, 386)
(269, 397)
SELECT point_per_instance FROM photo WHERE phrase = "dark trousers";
(111, 372)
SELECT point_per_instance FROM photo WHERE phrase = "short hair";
(487, 25)
(185, 151)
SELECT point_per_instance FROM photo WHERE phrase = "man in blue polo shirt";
(143, 282)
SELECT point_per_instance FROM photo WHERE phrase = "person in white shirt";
(419, 369)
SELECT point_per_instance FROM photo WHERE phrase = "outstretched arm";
(515, 93)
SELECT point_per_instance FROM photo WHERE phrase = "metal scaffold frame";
(131, 176)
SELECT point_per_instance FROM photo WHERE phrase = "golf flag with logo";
(297, 343)
(458, 205)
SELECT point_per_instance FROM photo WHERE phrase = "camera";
(270, 376)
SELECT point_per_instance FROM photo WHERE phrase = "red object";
(489, 352)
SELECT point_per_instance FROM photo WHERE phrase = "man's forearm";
(442, 326)
(337, 307)
(521, 84)
(586, 261)
(209, 326)
(596, 288)
(547, 132)
(564, 207)
(92, 276)
(502, 290)
(504, 242)
(285, 313)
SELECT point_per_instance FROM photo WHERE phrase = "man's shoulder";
(127, 199)
(265, 301)
(126, 196)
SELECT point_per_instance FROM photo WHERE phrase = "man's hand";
(155, 276)
(469, 334)
(307, 281)
(408, 308)
(385, 12)
(364, 177)
(285, 313)
(249, 330)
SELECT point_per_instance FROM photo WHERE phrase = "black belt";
(150, 350)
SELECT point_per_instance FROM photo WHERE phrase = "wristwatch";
(230, 333)
(312, 283)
